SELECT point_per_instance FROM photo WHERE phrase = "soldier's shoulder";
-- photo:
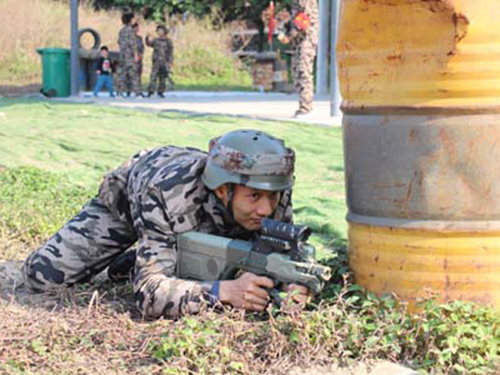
(179, 180)
(174, 167)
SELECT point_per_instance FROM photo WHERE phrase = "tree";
(228, 10)
(157, 9)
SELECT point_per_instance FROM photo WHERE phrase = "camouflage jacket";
(310, 8)
(128, 44)
(161, 194)
(163, 50)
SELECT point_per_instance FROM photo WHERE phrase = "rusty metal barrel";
(420, 81)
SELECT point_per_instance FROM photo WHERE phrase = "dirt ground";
(90, 331)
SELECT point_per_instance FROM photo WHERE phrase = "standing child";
(163, 57)
(104, 73)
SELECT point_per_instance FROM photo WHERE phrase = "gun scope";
(285, 231)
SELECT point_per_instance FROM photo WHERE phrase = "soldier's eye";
(255, 196)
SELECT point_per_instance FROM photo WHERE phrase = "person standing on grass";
(104, 73)
(129, 57)
(246, 176)
(163, 58)
(140, 51)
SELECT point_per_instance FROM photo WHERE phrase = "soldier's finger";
(258, 291)
(264, 281)
(254, 307)
(256, 299)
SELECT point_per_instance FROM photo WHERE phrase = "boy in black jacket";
(104, 73)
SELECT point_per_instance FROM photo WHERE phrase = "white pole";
(335, 98)
(322, 66)
(74, 48)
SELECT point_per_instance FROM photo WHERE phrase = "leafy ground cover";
(53, 156)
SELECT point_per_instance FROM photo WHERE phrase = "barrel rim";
(418, 110)
(425, 225)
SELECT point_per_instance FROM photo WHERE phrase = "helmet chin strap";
(230, 196)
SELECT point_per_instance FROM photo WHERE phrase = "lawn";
(79, 143)
(52, 156)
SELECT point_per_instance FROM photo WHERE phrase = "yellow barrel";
(420, 82)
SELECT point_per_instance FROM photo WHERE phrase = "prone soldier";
(246, 176)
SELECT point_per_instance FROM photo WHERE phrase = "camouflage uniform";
(304, 53)
(128, 78)
(140, 51)
(150, 199)
(163, 57)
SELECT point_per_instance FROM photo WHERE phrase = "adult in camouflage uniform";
(158, 194)
(128, 77)
(163, 58)
(303, 35)
(140, 51)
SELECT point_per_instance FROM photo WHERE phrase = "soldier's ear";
(222, 193)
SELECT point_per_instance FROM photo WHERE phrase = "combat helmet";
(251, 158)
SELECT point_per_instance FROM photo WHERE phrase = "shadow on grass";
(194, 87)
(19, 90)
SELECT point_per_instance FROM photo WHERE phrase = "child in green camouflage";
(163, 57)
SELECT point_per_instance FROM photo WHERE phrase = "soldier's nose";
(265, 207)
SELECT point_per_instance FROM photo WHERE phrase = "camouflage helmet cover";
(251, 158)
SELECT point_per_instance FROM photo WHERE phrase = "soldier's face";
(250, 206)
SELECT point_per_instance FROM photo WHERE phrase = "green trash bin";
(56, 76)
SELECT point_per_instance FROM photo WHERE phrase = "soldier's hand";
(247, 292)
(98, 72)
(297, 297)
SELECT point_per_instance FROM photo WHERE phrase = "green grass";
(79, 143)
(54, 156)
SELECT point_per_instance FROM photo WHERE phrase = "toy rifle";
(280, 252)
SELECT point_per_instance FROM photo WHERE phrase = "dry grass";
(30, 24)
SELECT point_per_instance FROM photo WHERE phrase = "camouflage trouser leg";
(139, 73)
(303, 77)
(129, 78)
(153, 78)
(118, 82)
(162, 76)
(81, 249)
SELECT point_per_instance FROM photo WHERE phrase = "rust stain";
(397, 57)
(445, 264)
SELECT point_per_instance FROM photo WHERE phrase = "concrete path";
(266, 106)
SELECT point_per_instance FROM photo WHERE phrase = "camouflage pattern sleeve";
(310, 8)
(158, 291)
(127, 41)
